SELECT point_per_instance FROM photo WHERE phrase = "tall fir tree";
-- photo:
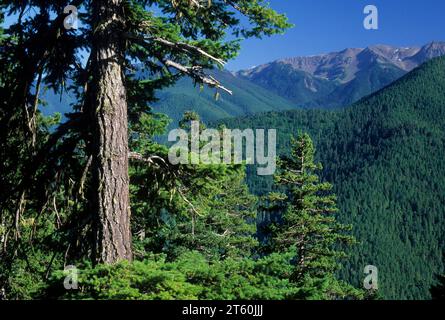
(307, 226)
(208, 209)
(224, 222)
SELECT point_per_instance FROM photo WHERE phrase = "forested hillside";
(385, 156)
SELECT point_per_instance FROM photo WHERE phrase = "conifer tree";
(122, 52)
(307, 226)
(220, 221)
(205, 207)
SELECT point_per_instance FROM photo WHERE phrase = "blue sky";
(332, 25)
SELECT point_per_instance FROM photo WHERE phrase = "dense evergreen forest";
(92, 209)
(385, 156)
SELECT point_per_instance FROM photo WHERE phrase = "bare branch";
(188, 48)
(197, 73)
(189, 203)
(180, 46)
(150, 160)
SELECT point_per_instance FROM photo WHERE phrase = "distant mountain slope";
(339, 78)
(385, 156)
(248, 98)
(298, 86)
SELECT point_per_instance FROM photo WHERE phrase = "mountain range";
(340, 78)
(324, 81)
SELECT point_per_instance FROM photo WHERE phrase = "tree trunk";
(110, 135)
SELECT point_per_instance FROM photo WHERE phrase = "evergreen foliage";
(307, 225)
(63, 186)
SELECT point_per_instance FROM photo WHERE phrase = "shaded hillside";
(247, 99)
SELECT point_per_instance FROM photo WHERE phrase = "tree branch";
(197, 73)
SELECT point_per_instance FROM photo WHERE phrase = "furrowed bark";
(111, 205)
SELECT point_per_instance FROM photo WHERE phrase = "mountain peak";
(405, 58)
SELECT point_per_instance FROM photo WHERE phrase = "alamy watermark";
(71, 281)
(371, 281)
(227, 146)
(371, 21)
(71, 21)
